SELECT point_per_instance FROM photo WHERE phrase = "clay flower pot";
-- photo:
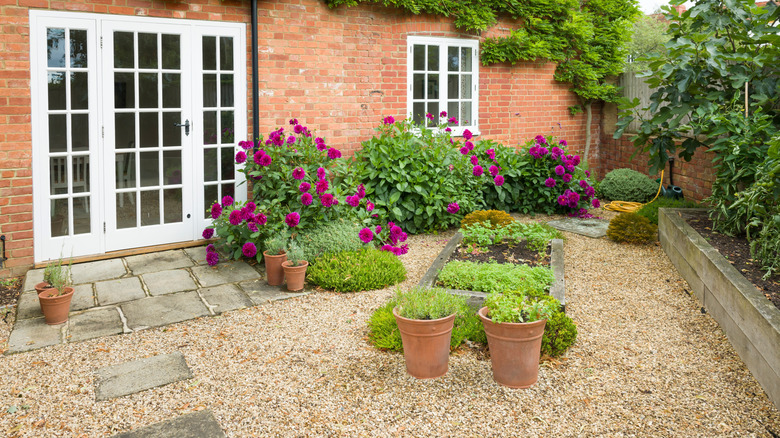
(273, 268)
(55, 308)
(514, 350)
(40, 287)
(295, 275)
(426, 345)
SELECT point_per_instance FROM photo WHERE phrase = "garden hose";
(631, 207)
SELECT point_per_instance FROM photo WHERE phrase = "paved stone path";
(139, 375)
(201, 424)
(137, 292)
(592, 227)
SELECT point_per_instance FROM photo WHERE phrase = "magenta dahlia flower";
(241, 157)
(550, 182)
(467, 134)
(292, 219)
(498, 180)
(464, 150)
(291, 139)
(369, 206)
(477, 171)
(353, 201)
(235, 217)
(366, 235)
(378, 229)
(389, 120)
(491, 153)
(208, 233)
(559, 170)
(298, 173)
(474, 160)
(321, 186)
(216, 210)
(595, 203)
(443, 114)
(361, 192)
(304, 187)
(261, 219)
(265, 160)
(334, 153)
(567, 177)
(306, 199)
(320, 173)
(493, 170)
(327, 200)
(227, 201)
(249, 249)
(252, 227)
(212, 258)
(453, 208)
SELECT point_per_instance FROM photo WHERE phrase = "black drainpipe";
(255, 83)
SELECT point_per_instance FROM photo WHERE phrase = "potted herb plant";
(274, 255)
(295, 267)
(55, 301)
(514, 326)
(425, 318)
(47, 274)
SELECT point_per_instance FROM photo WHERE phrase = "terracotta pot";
(273, 268)
(295, 275)
(40, 287)
(55, 308)
(514, 350)
(426, 345)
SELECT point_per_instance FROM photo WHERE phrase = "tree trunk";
(588, 120)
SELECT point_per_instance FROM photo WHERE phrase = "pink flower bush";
(299, 173)
(453, 208)
(240, 157)
(292, 219)
(249, 250)
(366, 235)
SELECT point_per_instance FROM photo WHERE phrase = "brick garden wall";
(338, 71)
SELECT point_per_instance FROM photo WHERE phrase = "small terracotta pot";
(40, 287)
(426, 345)
(55, 308)
(273, 268)
(515, 349)
(295, 275)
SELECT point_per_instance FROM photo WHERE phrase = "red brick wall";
(338, 71)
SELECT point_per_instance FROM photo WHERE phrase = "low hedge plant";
(353, 271)
(495, 277)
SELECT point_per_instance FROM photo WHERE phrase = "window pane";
(78, 48)
(58, 175)
(226, 53)
(210, 195)
(55, 47)
(170, 51)
(171, 89)
(209, 127)
(452, 59)
(452, 87)
(419, 57)
(229, 190)
(59, 217)
(465, 84)
(433, 58)
(123, 50)
(79, 91)
(124, 131)
(227, 127)
(210, 164)
(125, 171)
(147, 50)
(418, 112)
(126, 216)
(172, 205)
(58, 133)
(124, 93)
(80, 173)
(150, 207)
(172, 167)
(81, 216)
(172, 134)
(150, 169)
(465, 114)
(149, 130)
(79, 132)
(433, 109)
(433, 86)
(226, 90)
(465, 57)
(227, 164)
(418, 86)
(209, 53)
(210, 90)
(147, 90)
(453, 110)
(56, 90)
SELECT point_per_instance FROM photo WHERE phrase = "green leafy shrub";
(515, 308)
(559, 334)
(627, 185)
(632, 228)
(650, 210)
(330, 237)
(494, 277)
(428, 303)
(352, 271)
(487, 218)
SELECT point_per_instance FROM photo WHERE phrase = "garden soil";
(646, 363)
(515, 253)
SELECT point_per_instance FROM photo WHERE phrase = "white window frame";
(444, 44)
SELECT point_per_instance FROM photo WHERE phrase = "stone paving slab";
(201, 424)
(94, 323)
(158, 261)
(32, 334)
(139, 375)
(97, 271)
(118, 291)
(28, 306)
(163, 310)
(261, 293)
(168, 282)
(591, 227)
(228, 272)
(82, 297)
(225, 297)
(33, 277)
(197, 253)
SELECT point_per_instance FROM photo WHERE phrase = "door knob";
(186, 125)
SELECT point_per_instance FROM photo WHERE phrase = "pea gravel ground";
(647, 363)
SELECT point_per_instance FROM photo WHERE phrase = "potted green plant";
(274, 255)
(295, 267)
(514, 326)
(47, 274)
(425, 318)
(55, 301)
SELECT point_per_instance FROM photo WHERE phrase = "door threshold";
(126, 252)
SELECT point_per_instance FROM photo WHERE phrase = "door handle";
(186, 125)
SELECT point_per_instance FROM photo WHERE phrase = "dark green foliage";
(632, 228)
(559, 334)
(650, 211)
(488, 218)
(353, 271)
(330, 237)
(627, 185)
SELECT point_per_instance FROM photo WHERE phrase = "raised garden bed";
(557, 290)
(750, 321)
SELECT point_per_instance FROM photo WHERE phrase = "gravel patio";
(647, 362)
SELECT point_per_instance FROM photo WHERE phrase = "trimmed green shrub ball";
(650, 211)
(627, 185)
(497, 218)
(353, 271)
(331, 237)
(632, 228)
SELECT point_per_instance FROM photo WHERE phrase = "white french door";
(135, 126)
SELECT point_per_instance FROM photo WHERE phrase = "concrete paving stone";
(118, 291)
(168, 282)
(163, 310)
(31, 334)
(591, 227)
(197, 253)
(33, 277)
(94, 324)
(139, 375)
(225, 297)
(228, 272)
(97, 271)
(201, 424)
(83, 297)
(28, 306)
(261, 293)
(158, 261)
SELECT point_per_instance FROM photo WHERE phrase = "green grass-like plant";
(650, 210)
(494, 277)
(427, 304)
(331, 237)
(632, 228)
(353, 271)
